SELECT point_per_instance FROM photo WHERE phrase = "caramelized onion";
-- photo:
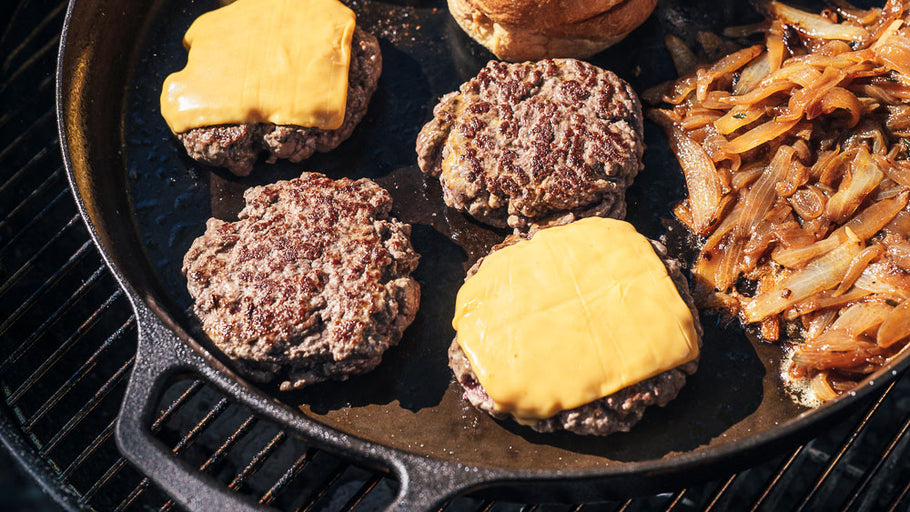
(819, 275)
(898, 251)
(899, 172)
(738, 117)
(826, 300)
(865, 224)
(728, 64)
(759, 135)
(753, 74)
(808, 202)
(862, 318)
(859, 183)
(838, 98)
(817, 26)
(821, 388)
(857, 265)
(896, 326)
(885, 280)
(837, 350)
(895, 53)
(704, 186)
(683, 59)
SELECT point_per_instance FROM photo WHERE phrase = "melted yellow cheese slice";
(252, 61)
(574, 314)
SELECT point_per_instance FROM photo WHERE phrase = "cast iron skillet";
(144, 201)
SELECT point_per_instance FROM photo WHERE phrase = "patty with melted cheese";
(631, 375)
(284, 78)
(238, 146)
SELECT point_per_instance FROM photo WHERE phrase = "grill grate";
(67, 340)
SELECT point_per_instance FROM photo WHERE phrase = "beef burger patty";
(535, 143)
(616, 412)
(237, 146)
(311, 283)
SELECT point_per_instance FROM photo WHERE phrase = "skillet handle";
(425, 483)
(161, 354)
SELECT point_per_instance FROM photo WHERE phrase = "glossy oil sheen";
(146, 201)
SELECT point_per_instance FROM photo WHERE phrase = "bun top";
(544, 12)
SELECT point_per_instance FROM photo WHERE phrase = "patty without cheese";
(617, 412)
(311, 283)
(535, 143)
(238, 146)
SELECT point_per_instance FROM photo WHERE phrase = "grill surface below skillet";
(67, 339)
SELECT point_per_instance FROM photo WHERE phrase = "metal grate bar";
(676, 500)
(229, 443)
(38, 191)
(864, 483)
(54, 176)
(288, 476)
(176, 405)
(18, 140)
(328, 483)
(530, 507)
(35, 57)
(36, 335)
(213, 459)
(31, 261)
(624, 506)
(485, 506)
(26, 229)
(30, 163)
(721, 490)
(900, 498)
(135, 493)
(203, 424)
(89, 450)
(54, 278)
(362, 492)
(51, 17)
(62, 349)
(845, 446)
(28, 104)
(14, 20)
(186, 441)
(101, 482)
(238, 480)
(772, 484)
(93, 402)
(172, 409)
(258, 460)
(79, 374)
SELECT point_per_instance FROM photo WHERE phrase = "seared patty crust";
(535, 143)
(311, 283)
(237, 146)
(617, 412)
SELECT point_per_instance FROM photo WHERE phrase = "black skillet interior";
(147, 201)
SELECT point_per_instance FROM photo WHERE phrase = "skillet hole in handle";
(160, 355)
(424, 483)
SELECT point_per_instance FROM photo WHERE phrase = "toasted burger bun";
(520, 30)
